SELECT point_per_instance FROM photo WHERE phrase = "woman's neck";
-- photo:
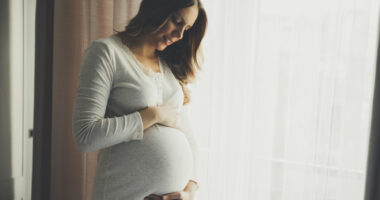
(141, 46)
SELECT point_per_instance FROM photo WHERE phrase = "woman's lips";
(167, 41)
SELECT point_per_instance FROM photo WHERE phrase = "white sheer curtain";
(282, 108)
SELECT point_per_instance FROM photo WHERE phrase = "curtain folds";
(287, 87)
(76, 24)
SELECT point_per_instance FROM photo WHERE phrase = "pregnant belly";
(161, 162)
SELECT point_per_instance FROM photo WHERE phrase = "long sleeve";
(91, 131)
(186, 126)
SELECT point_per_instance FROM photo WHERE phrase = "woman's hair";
(182, 56)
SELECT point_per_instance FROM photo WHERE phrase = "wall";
(16, 97)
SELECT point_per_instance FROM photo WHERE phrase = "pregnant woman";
(131, 104)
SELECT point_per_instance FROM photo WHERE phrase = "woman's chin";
(161, 47)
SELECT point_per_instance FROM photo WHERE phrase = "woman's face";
(173, 30)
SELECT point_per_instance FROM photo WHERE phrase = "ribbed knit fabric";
(132, 163)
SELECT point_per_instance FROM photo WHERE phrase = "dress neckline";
(145, 69)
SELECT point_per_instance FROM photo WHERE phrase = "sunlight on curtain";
(283, 105)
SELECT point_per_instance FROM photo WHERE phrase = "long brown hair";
(183, 56)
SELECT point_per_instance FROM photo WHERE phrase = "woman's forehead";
(188, 14)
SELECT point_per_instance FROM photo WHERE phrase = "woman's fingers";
(174, 195)
(167, 115)
(153, 197)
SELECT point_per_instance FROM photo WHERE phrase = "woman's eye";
(176, 20)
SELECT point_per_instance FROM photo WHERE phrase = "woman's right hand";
(167, 115)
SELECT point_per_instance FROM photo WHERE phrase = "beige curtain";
(76, 24)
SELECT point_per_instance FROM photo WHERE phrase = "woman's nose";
(179, 33)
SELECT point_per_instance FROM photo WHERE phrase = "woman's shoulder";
(106, 47)
(105, 43)
(101, 50)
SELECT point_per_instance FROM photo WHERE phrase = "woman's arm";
(148, 116)
(91, 131)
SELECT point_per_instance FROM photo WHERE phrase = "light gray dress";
(132, 163)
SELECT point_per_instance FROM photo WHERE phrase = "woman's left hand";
(182, 195)
(186, 194)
